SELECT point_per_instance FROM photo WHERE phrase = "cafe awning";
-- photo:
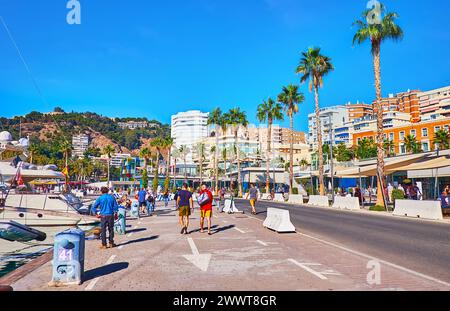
(425, 164)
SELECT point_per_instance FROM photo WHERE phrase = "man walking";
(142, 202)
(108, 206)
(185, 205)
(253, 194)
(206, 209)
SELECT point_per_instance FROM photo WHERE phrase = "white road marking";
(236, 228)
(320, 275)
(129, 234)
(94, 281)
(262, 243)
(139, 222)
(415, 273)
(193, 247)
(135, 227)
(120, 247)
(225, 221)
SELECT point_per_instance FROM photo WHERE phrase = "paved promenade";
(240, 255)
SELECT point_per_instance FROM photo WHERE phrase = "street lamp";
(330, 124)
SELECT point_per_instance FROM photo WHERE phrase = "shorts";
(185, 211)
(205, 214)
(252, 202)
(142, 204)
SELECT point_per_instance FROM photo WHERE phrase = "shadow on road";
(105, 270)
(223, 229)
(136, 230)
(154, 237)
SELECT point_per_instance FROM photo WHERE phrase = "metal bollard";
(68, 258)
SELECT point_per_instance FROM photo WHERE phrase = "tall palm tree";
(175, 156)
(184, 151)
(145, 153)
(216, 118)
(442, 139)
(158, 143)
(167, 143)
(200, 148)
(213, 151)
(378, 33)
(290, 98)
(108, 151)
(224, 158)
(269, 111)
(237, 118)
(32, 150)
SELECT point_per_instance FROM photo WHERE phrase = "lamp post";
(330, 124)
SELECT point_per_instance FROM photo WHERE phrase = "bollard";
(68, 258)
(135, 209)
(120, 225)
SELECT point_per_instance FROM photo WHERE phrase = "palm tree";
(108, 151)
(442, 139)
(411, 144)
(175, 156)
(216, 118)
(214, 152)
(66, 149)
(145, 153)
(224, 157)
(304, 163)
(269, 111)
(388, 146)
(200, 149)
(377, 33)
(314, 66)
(158, 143)
(237, 118)
(184, 151)
(168, 143)
(290, 98)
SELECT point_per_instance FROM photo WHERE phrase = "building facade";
(80, 144)
(188, 128)
(132, 125)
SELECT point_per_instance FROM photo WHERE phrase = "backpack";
(203, 199)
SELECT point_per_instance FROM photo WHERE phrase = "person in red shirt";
(206, 210)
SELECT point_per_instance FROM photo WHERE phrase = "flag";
(19, 180)
(65, 171)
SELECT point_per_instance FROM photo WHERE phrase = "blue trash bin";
(120, 225)
(68, 258)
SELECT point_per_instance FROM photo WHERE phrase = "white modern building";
(339, 116)
(188, 128)
(80, 144)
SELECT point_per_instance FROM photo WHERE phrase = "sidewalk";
(240, 255)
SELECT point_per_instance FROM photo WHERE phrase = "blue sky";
(155, 58)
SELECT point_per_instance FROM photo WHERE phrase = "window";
(446, 128)
(402, 135)
(359, 140)
(413, 133)
(437, 128)
(384, 136)
(402, 149)
(424, 132)
(426, 146)
(391, 136)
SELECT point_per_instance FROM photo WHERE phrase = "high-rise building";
(358, 110)
(188, 128)
(339, 116)
(80, 144)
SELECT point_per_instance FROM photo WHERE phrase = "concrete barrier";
(230, 207)
(350, 203)
(318, 200)
(418, 209)
(278, 220)
(279, 197)
(295, 199)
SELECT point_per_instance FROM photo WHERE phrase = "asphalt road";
(418, 245)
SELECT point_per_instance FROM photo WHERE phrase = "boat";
(15, 232)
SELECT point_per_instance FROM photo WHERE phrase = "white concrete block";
(418, 209)
(278, 220)
(318, 200)
(295, 199)
(350, 203)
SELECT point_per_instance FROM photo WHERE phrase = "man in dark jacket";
(108, 207)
